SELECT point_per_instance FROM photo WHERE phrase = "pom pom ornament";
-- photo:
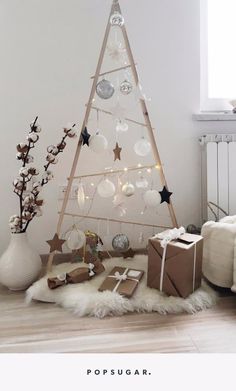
(120, 243)
(105, 89)
(128, 189)
(117, 19)
(98, 143)
(142, 147)
(106, 188)
(152, 198)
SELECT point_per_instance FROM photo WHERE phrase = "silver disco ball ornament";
(126, 87)
(120, 243)
(105, 89)
(117, 19)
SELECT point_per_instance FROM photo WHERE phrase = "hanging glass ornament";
(141, 238)
(121, 210)
(98, 143)
(117, 19)
(142, 147)
(106, 188)
(128, 189)
(116, 51)
(75, 238)
(120, 243)
(141, 183)
(81, 196)
(126, 87)
(105, 89)
(152, 198)
(118, 199)
(121, 126)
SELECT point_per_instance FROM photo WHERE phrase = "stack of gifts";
(175, 262)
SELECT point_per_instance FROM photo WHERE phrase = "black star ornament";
(85, 136)
(165, 195)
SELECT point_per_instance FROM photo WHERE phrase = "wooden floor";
(43, 327)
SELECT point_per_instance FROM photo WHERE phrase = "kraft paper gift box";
(122, 280)
(80, 274)
(179, 271)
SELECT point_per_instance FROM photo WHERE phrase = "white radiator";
(218, 174)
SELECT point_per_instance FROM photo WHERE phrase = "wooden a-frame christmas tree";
(117, 20)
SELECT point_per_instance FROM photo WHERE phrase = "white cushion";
(219, 251)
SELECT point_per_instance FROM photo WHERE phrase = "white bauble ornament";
(98, 143)
(117, 19)
(141, 183)
(152, 198)
(126, 87)
(81, 196)
(128, 189)
(105, 89)
(142, 147)
(106, 188)
(76, 239)
(122, 126)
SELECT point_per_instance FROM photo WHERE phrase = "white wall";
(49, 50)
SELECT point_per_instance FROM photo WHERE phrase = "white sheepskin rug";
(85, 300)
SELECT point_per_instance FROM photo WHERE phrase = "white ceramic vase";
(20, 264)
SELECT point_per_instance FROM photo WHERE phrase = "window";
(218, 54)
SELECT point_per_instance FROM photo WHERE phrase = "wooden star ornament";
(55, 244)
(117, 150)
(165, 195)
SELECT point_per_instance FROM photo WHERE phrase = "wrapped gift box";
(122, 280)
(178, 271)
(80, 274)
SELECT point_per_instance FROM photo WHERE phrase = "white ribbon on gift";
(166, 237)
(122, 277)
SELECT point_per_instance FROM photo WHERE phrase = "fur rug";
(85, 300)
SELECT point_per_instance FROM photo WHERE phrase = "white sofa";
(219, 252)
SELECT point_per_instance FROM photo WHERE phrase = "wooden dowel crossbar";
(115, 220)
(114, 172)
(110, 113)
(112, 71)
